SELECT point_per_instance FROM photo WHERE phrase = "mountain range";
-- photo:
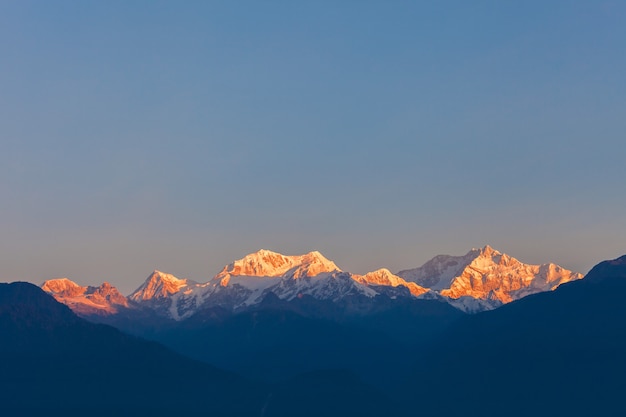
(482, 279)
(302, 338)
(268, 315)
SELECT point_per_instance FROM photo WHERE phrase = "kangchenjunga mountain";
(482, 279)
(271, 316)
(319, 331)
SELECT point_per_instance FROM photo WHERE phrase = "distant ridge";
(480, 280)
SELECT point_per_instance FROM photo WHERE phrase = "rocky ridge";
(482, 279)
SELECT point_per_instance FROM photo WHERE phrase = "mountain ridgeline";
(296, 336)
(482, 279)
(550, 354)
(270, 316)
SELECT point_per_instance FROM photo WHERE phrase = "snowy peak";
(489, 256)
(265, 263)
(384, 277)
(487, 251)
(496, 276)
(63, 287)
(439, 272)
(168, 296)
(381, 276)
(481, 279)
(248, 280)
(107, 293)
(158, 285)
(102, 300)
(312, 264)
(487, 274)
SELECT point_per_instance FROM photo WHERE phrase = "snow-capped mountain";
(265, 263)
(485, 278)
(324, 286)
(246, 281)
(158, 285)
(102, 300)
(384, 277)
(167, 295)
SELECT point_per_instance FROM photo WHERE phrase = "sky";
(181, 136)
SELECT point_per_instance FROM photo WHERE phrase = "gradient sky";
(183, 135)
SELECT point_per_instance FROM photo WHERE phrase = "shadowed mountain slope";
(556, 353)
(54, 363)
(279, 338)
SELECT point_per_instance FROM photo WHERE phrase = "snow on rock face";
(482, 279)
(102, 300)
(169, 296)
(158, 285)
(325, 286)
(63, 287)
(106, 293)
(439, 272)
(265, 263)
(385, 278)
(246, 281)
(486, 274)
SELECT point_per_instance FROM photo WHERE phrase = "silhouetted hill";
(558, 353)
(54, 363)
(607, 271)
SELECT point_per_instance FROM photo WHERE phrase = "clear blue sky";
(182, 135)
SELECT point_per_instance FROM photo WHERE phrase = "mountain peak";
(488, 251)
(323, 263)
(487, 274)
(158, 285)
(265, 263)
(62, 286)
(381, 271)
(485, 252)
(102, 300)
(163, 276)
(384, 277)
